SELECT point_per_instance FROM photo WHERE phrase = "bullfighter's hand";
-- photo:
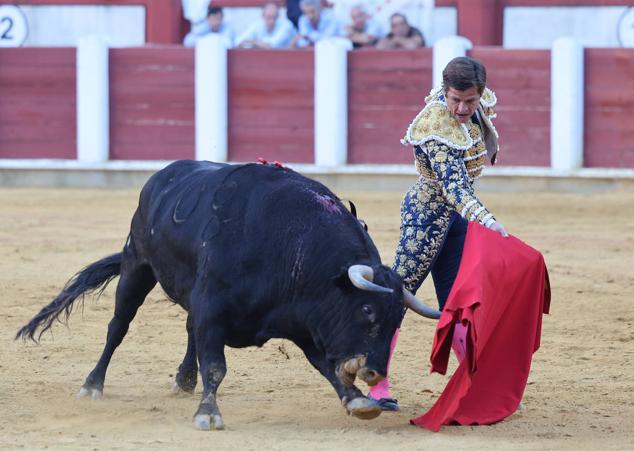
(499, 228)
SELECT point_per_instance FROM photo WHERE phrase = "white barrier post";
(211, 99)
(331, 101)
(445, 50)
(93, 111)
(566, 112)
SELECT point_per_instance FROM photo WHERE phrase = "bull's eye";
(369, 312)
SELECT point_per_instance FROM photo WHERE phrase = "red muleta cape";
(500, 293)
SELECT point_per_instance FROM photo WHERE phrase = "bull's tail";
(93, 278)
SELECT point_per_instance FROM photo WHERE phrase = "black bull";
(252, 252)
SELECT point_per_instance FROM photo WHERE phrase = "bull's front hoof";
(207, 422)
(363, 408)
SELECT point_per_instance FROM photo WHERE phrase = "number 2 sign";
(13, 26)
(626, 28)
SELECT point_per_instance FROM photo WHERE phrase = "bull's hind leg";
(134, 285)
(209, 331)
(187, 375)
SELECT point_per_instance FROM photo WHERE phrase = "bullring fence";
(564, 108)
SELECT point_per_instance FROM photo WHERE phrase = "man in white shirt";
(362, 31)
(213, 24)
(314, 24)
(270, 32)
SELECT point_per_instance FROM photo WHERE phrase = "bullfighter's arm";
(450, 170)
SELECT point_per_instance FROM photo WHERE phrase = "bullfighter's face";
(462, 104)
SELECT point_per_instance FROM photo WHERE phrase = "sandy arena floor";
(580, 394)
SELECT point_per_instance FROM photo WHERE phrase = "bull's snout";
(369, 376)
(355, 367)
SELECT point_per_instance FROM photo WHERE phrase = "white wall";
(63, 25)
(539, 27)
(444, 24)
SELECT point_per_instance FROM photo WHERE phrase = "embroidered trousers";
(432, 239)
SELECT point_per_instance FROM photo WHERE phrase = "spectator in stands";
(314, 24)
(362, 31)
(215, 23)
(402, 35)
(270, 32)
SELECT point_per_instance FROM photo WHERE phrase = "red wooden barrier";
(609, 111)
(386, 89)
(152, 103)
(521, 81)
(271, 103)
(37, 103)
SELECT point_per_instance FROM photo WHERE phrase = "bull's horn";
(413, 303)
(361, 277)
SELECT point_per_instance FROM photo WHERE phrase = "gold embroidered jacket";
(450, 156)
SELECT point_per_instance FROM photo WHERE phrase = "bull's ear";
(342, 280)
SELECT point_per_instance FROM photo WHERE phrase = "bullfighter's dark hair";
(463, 73)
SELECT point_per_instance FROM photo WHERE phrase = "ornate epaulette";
(435, 122)
(487, 102)
(490, 134)
(488, 98)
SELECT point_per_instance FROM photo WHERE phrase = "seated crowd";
(314, 23)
